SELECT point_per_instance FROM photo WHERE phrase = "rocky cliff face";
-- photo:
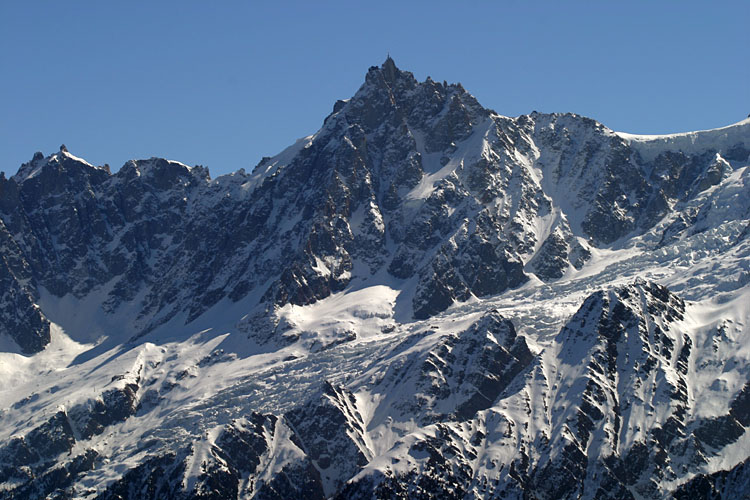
(423, 299)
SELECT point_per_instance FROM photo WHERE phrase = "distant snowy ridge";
(722, 140)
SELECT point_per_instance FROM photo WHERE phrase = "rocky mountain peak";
(423, 298)
(56, 173)
(389, 74)
(165, 173)
(390, 71)
(414, 179)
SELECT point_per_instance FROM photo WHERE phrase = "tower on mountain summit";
(390, 69)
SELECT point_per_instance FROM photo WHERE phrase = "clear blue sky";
(224, 83)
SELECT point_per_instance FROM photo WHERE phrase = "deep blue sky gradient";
(224, 83)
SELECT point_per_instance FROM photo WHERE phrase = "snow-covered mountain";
(424, 299)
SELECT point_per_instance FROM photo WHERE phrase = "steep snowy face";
(609, 409)
(383, 167)
(422, 298)
(626, 377)
(468, 203)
